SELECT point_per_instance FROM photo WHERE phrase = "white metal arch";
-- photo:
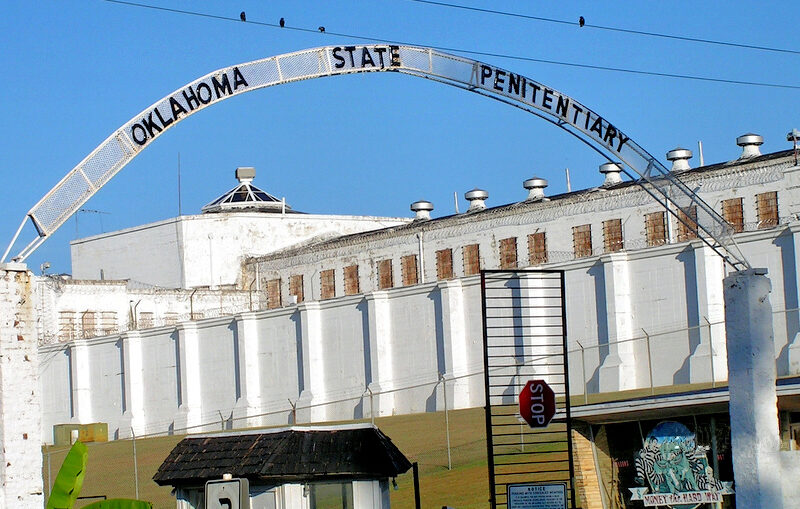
(92, 173)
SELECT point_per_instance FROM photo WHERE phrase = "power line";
(467, 51)
(610, 28)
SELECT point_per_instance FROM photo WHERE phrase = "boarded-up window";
(472, 259)
(88, 324)
(582, 240)
(108, 323)
(408, 268)
(733, 214)
(537, 248)
(273, 293)
(66, 325)
(385, 277)
(612, 235)
(351, 286)
(327, 284)
(296, 287)
(687, 223)
(145, 320)
(444, 264)
(655, 229)
(508, 253)
(767, 207)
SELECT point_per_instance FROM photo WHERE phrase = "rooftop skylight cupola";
(246, 197)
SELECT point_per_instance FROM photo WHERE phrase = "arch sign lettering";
(599, 133)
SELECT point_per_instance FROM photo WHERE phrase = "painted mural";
(674, 470)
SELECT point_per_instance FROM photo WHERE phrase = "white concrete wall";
(204, 250)
(20, 412)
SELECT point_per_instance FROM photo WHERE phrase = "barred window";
(508, 253)
(582, 240)
(687, 216)
(408, 270)
(87, 324)
(351, 286)
(66, 325)
(296, 287)
(612, 235)
(767, 207)
(273, 293)
(537, 248)
(385, 277)
(733, 214)
(327, 284)
(170, 318)
(145, 320)
(108, 323)
(472, 259)
(655, 229)
(444, 264)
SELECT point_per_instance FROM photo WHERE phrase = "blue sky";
(367, 144)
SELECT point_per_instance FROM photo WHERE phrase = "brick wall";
(586, 482)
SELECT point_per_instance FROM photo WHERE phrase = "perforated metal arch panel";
(124, 144)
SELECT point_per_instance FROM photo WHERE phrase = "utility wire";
(467, 51)
(610, 28)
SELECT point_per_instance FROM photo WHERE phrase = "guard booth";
(346, 466)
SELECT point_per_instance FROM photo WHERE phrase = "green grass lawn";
(421, 437)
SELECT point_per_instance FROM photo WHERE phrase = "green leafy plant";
(69, 480)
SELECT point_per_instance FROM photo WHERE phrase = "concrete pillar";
(618, 371)
(381, 368)
(314, 389)
(20, 407)
(249, 379)
(456, 349)
(190, 407)
(709, 272)
(80, 374)
(794, 343)
(751, 379)
(133, 383)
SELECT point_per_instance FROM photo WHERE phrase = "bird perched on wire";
(242, 16)
(581, 21)
(282, 22)
(321, 29)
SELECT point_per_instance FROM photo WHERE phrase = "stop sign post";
(537, 403)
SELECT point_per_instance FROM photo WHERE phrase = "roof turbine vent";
(750, 143)
(680, 159)
(477, 200)
(423, 210)
(612, 172)
(535, 187)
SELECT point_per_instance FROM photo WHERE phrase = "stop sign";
(537, 403)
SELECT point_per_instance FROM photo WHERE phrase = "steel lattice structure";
(94, 171)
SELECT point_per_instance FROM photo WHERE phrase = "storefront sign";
(676, 469)
(537, 496)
